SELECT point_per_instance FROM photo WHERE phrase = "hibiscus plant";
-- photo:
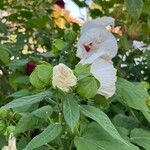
(66, 84)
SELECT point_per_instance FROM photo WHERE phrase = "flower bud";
(30, 67)
(63, 78)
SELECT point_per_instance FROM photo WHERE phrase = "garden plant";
(74, 84)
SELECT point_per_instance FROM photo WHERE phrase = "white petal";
(104, 42)
(99, 22)
(105, 73)
(63, 77)
(5, 148)
(12, 142)
(94, 35)
(105, 21)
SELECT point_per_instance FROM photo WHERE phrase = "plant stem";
(132, 112)
(61, 145)
(50, 120)
(71, 145)
(50, 147)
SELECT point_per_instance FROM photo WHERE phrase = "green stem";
(50, 147)
(61, 145)
(50, 120)
(132, 112)
(71, 145)
(60, 117)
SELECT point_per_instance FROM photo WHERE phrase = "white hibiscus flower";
(95, 43)
(97, 46)
(98, 23)
(105, 73)
(11, 143)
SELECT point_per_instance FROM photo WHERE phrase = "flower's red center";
(88, 47)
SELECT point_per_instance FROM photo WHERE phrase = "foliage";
(42, 117)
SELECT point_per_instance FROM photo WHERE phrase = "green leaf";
(145, 84)
(87, 87)
(3, 27)
(28, 100)
(26, 108)
(133, 95)
(20, 93)
(35, 81)
(134, 8)
(10, 129)
(27, 123)
(41, 76)
(37, 23)
(45, 73)
(3, 113)
(146, 7)
(125, 43)
(94, 13)
(25, 13)
(70, 36)
(141, 138)
(102, 119)
(124, 133)
(83, 143)
(80, 3)
(17, 64)
(2, 141)
(58, 46)
(23, 141)
(71, 111)
(147, 115)
(48, 135)
(43, 112)
(22, 80)
(128, 122)
(148, 58)
(82, 71)
(19, 43)
(95, 137)
(4, 56)
(2, 125)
